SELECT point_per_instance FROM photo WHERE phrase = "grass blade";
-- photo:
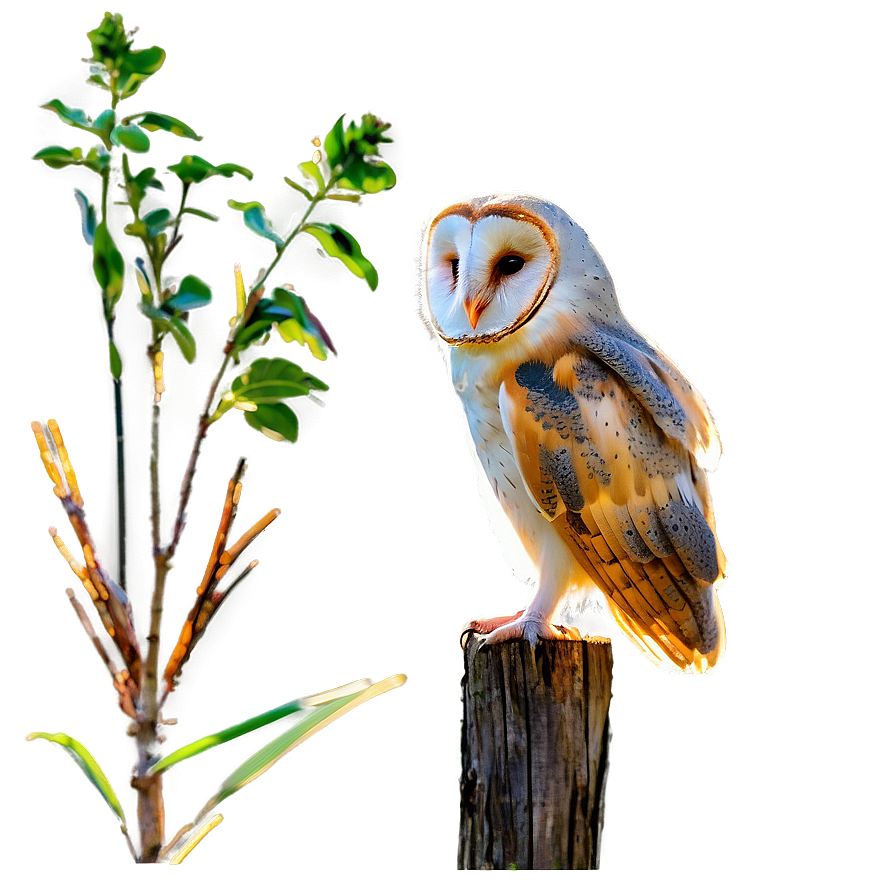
(318, 718)
(259, 721)
(89, 766)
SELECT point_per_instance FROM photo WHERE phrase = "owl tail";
(673, 620)
(665, 650)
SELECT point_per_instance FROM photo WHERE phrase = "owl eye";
(455, 264)
(510, 264)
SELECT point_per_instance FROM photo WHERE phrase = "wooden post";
(534, 754)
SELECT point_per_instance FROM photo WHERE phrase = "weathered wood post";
(534, 754)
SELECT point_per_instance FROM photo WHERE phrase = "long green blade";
(259, 721)
(88, 765)
(317, 719)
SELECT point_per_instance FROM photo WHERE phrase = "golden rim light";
(519, 213)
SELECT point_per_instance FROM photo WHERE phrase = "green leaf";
(256, 722)
(59, 156)
(143, 281)
(136, 67)
(313, 173)
(155, 221)
(200, 214)
(89, 766)
(255, 219)
(88, 217)
(302, 190)
(269, 379)
(317, 719)
(276, 421)
(108, 267)
(130, 137)
(194, 169)
(192, 293)
(69, 115)
(97, 159)
(169, 323)
(154, 121)
(104, 123)
(334, 144)
(109, 40)
(296, 323)
(114, 361)
(252, 332)
(339, 243)
(369, 175)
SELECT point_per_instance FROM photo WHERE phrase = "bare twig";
(208, 600)
(110, 600)
(121, 679)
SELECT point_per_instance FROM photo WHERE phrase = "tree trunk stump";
(534, 754)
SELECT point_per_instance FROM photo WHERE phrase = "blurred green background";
(735, 164)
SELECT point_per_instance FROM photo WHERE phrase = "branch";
(110, 600)
(201, 432)
(209, 600)
(121, 680)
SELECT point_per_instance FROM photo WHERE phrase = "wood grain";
(534, 754)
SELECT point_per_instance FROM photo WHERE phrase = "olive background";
(733, 164)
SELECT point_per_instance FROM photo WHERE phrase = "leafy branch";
(347, 168)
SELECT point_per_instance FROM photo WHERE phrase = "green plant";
(346, 168)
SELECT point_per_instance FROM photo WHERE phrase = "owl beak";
(474, 306)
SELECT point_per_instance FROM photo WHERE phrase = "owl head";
(493, 264)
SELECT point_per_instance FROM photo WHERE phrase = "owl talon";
(531, 628)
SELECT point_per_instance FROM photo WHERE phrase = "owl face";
(492, 262)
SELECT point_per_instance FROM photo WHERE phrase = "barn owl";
(594, 442)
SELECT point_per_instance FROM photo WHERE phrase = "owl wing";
(607, 442)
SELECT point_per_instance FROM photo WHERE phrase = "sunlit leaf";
(59, 156)
(276, 421)
(298, 706)
(313, 173)
(269, 379)
(108, 267)
(316, 719)
(370, 175)
(339, 243)
(76, 118)
(88, 217)
(88, 765)
(130, 137)
(300, 325)
(154, 121)
(192, 293)
(194, 169)
(255, 219)
(136, 67)
(334, 144)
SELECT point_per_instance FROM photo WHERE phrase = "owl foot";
(484, 626)
(531, 628)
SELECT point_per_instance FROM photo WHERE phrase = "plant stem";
(119, 456)
(150, 803)
(319, 197)
(201, 432)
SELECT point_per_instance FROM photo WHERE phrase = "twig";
(109, 599)
(121, 679)
(201, 432)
